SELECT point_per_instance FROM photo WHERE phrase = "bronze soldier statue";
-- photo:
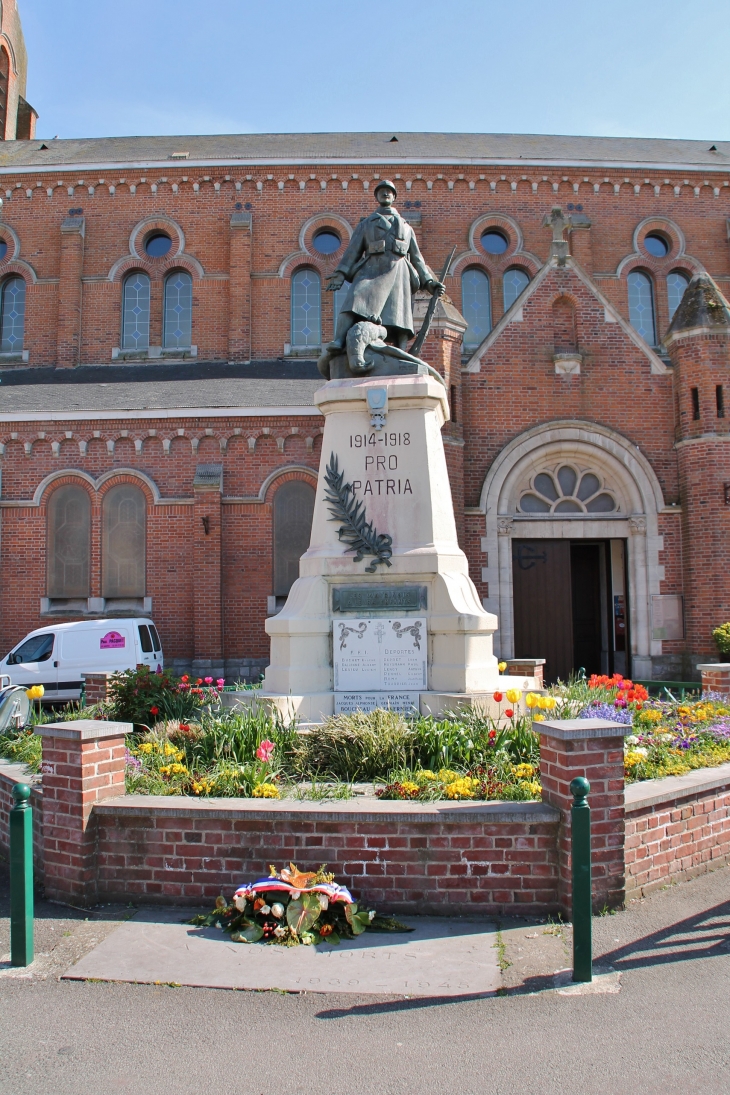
(385, 268)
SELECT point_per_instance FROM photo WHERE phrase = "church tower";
(698, 342)
(17, 116)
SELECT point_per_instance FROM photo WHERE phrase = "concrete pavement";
(665, 1032)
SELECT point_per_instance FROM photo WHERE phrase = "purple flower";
(622, 715)
(131, 761)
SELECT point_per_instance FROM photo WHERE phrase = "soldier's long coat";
(385, 266)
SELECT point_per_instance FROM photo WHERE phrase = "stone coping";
(84, 730)
(373, 810)
(653, 792)
(17, 772)
(708, 666)
(581, 729)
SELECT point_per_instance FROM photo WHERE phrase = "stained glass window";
(641, 305)
(293, 511)
(69, 522)
(136, 312)
(178, 309)
(514, 283)
(124, 514)
(12, 316)
(476, 306)
(306, 309)
(676, 285)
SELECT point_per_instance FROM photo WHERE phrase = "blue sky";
(651, 68)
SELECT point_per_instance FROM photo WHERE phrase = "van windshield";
(36, 649)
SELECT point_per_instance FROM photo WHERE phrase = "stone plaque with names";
(380, 655)
(404, 703)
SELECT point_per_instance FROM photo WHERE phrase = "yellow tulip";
(544, 703)
(538, 718)
(501, 666)
(552, 703)
(514, 695)
(532, 699)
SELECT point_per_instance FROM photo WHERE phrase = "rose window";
(567, 490)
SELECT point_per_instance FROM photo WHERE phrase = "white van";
(57, 657)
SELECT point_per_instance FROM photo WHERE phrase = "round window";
(3, 249)
(157, 245)
(656, 245)
(493, 242)
(326, 242)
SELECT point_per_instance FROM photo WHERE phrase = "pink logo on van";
(112, 641)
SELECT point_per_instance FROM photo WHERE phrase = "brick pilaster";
(96, 687)
(716, 677)
(207, 591)
(68, 339)
(593, 748)
(239, 289)
(83, 763)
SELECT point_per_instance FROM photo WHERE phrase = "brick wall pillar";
(239, 289)
(716, 677)
(96, 687)
(526, 667)
(83, 763)
(207, 591)
(69, 291)
(593, 748)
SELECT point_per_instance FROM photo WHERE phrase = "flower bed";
(670, 737)
(186, 748)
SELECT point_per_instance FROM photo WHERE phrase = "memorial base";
(314, 707)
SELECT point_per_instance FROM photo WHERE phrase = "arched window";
(641, 305)
(4, 78)
(68, 551)
(136, 312)
(514, 283)
(12, 316)
(476, 306)
(677, 282)
(178, 310)
(293, 511)
(306, 308)
(124, 519)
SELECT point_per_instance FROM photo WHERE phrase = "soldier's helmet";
(385, 182)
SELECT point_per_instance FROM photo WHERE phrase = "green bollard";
(580, 824)
(21, 878)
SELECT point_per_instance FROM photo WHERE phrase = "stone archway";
(626, 476)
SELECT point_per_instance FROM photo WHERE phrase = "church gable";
(563, 324)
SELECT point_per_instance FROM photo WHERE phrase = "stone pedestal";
(385, 433)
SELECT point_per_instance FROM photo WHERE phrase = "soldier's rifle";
(420, 338)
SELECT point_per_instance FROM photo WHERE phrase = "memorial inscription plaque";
(380, 655)
(367, 598)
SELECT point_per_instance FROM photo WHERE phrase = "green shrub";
(721, 635)
(135, 692)
(357, 747)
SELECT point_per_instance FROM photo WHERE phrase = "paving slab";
(441, 957)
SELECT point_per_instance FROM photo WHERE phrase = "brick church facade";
(162, 307)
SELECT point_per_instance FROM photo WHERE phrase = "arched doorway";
(572, 543)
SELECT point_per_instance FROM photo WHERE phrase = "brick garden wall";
(486, 858)
(10, 774)
(676, 828)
